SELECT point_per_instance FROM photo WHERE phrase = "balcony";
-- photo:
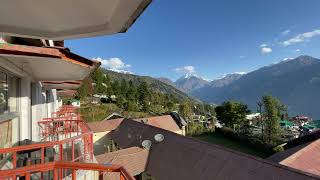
(65, 151)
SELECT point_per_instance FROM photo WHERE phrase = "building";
(75, 102)
(37, 132)
(101, 128)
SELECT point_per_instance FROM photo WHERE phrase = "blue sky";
(209, 37)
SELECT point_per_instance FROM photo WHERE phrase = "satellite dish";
(146, 144)
(145, 121)
(159, 137)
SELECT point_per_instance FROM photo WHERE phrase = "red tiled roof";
(165, 122)
(133, 159)
(304, 157)
(105, 125)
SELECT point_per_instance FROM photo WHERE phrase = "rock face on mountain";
(296, 82)
(166, 80)
(226, 80)
(190, 83)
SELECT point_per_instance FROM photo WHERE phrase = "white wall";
(32, 104)
(25, 108)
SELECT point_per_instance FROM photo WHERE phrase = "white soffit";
(48, 68)
(61, 85)
(65, 19)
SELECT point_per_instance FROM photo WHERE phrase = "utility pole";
(259, 103)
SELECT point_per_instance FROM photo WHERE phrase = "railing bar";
(14, 159)
(55, 174)
(42, 155)
(27, 176)
(74, 174)
(72, 147)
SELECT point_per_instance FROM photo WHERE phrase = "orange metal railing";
(60, 170)
(67, 146)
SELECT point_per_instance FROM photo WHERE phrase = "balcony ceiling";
(66, 85)
(63, 19)
(48, 64)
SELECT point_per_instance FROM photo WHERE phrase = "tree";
(232, 113)
(144, 96)
(273, 111)
(85, 89)
(185, 110)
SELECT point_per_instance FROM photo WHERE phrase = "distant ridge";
(295, 81)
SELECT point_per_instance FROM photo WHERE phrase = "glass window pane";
(12, 100)
(5, 134)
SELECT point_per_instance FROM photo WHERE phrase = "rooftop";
(134, 159)
(179, 157)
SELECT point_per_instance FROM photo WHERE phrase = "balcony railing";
(63, 170)
(67, 146)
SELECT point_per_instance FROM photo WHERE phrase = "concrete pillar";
(25, 109)
(37, 109)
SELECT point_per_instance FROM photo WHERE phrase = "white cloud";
(286, 32)
(242, 57)
(298, 50)
(301, 37)
(186, 70)
(263, 45)
(114, 64)
(266, 50)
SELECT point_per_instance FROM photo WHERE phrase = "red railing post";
(91, 146)
(72, 149)
(14, 159)
(55, 174)
(42, 155)
(74, 176)
(27, 176)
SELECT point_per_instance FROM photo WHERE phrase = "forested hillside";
(140, 94)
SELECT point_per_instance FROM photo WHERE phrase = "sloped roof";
(105, 125)
(133, 159)
(303, 139)
(179, 157)
(165, 122)
(304, 157)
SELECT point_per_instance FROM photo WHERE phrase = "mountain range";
(296, 82)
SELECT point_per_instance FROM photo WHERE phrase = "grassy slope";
(100, 112)
(219, 139)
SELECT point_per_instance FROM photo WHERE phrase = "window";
(8, 108)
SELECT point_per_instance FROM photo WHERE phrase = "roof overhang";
(66, 93)
(70, 85)
(61, 19)
(48, 64)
